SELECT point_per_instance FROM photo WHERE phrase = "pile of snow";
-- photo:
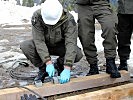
(14, 14)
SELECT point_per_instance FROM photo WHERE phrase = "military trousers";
(86, 28)
(125, 29)
(29, 50)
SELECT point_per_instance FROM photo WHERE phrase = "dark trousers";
(29, 50)
(125, 29)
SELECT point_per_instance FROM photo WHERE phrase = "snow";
(16, 28)
(4, 40)
(13, 14)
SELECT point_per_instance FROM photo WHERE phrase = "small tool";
(55, 79)
(38, 83)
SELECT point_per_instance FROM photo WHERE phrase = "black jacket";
(125, 6)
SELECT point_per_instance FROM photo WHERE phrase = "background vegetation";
(68, 4)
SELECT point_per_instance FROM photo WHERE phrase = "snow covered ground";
(12, 14)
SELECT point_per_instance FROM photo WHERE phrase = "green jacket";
(125, 6)
(64, 32)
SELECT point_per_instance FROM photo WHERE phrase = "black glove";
(30, 97)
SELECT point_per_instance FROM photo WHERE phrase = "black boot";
(41, 75)
(93, 69)
(123, 65)
(111, 68)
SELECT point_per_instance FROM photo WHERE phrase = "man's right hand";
(50, 69)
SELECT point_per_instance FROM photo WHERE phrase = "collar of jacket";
(62, 20)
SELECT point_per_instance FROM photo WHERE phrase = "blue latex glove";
(50, 70)
(65, 76)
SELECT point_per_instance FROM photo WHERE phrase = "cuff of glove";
(47, 58)
(67, 67)
(49, 62)
(68, 63)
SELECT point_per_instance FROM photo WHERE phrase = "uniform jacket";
(64, 32)
(125, 6)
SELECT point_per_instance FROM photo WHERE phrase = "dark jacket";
(64, 32)
(125, 6)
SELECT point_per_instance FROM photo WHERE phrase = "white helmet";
(51, 11)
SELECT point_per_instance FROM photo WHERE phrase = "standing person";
(125, 29)
(88, 11)
(54, 33)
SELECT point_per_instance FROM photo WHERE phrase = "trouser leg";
(29, 50)
(86, 32)
(108, 21)
(125, 28)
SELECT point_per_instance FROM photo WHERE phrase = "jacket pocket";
(83, 2)
(58, 35)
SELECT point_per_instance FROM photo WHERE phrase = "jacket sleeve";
(39, 39)
(83, 2)
(70, 34)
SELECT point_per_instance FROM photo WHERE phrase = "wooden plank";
(123, 92)
(75, 84)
